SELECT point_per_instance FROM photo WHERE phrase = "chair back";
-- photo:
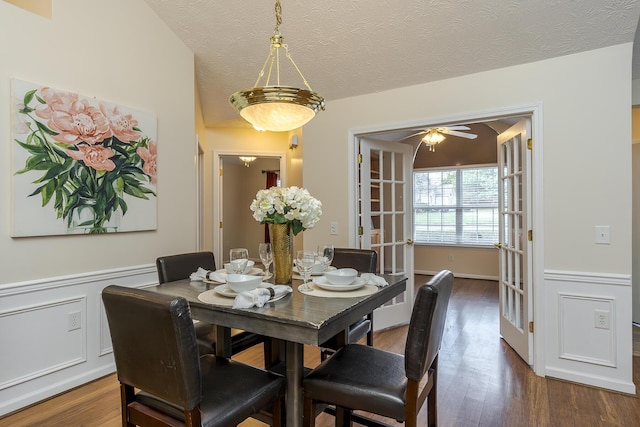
(363, 260)
(177, 267)
(154, 344)
(427, 324)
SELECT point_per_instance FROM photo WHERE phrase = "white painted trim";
(586, 277)
(49, 390)
(75, 279)
(592, 380)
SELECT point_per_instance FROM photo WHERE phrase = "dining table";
(296, 319)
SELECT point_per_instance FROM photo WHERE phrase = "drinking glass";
(305, 260)
(238, 257)
(266, 256)
(325, 255)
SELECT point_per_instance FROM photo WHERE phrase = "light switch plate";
(603, 235)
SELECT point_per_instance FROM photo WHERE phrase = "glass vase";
(282, 246)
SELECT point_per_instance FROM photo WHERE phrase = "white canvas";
(80, 165)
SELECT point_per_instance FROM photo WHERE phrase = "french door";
(515, 275)
(385, 219)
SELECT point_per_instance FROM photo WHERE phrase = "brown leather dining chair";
(365, 261)
(164, 381)
(364, 378)
(180, 266)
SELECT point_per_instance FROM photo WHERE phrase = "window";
(456, 205)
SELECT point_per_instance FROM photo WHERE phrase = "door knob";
(498, 245)
(409, 242)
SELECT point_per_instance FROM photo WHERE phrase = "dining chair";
(180, 266)
(164, 381)
(365, 261)
(359, 377)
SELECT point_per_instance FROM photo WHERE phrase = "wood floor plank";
(482, 381)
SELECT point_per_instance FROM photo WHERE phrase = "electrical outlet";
(601, 319)
(450, 257)
(333, 228)
(74, 319)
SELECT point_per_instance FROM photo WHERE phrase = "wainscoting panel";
(54, 333)
(577, 316)
(587, 336)
(66, 343)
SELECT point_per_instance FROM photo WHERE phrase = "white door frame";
(218, 195)
(537, 211)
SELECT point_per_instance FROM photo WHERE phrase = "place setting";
(240, 288)
(333, 282)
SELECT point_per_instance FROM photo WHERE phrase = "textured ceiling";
(347, 48)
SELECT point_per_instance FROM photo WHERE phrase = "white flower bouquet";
(288, 205)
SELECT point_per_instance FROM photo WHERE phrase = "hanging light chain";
(278, 10)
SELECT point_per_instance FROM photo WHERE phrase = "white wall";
(586, 182)
(94, 48)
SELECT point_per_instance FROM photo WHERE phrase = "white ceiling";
(347, 48)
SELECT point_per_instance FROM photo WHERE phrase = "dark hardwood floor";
(482, 382)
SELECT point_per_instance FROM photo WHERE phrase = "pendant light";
(276, 107)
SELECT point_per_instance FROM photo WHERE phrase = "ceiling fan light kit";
(434, 136)
(277, 107)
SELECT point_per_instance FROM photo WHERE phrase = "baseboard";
(22, 401)
(459, 275)
(591, 380)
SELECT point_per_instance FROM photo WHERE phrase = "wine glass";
(325, 255)
(266, 256)
(305, 260)
(238, 257)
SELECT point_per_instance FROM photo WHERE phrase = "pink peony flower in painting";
(148, 156)
(94, 156)
(90, 153)
(123, 126)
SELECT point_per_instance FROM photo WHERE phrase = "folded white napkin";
(259, 296)
(203, 274)
(372, 279)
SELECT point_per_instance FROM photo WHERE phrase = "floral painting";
(80, 165)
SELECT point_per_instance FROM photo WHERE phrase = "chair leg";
(432, 399)
(277, 419)
(127, 395)
(343, 417)
(309, 413)
(370, 333)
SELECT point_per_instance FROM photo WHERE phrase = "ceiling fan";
(434, 136)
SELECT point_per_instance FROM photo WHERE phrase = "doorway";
(448, 254)
(235, 187)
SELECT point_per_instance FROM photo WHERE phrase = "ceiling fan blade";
(460, 134)
(455, 127)
(412, 135)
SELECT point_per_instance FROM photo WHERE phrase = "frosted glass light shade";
(277, 108)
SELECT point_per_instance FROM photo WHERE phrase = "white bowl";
(341, 276)
(318, 268)
(243, 282)
(247, 269)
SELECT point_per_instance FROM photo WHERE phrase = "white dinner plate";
(295, 269)
(323, 283)
(226, 291)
